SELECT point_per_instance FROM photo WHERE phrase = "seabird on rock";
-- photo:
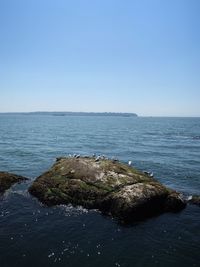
(115, 159)
(97, 158)
(129, 162)
(150, 174)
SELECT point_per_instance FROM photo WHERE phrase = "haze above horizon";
(128, 56)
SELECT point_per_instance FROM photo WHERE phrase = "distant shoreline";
(99, 114)
(70, 113)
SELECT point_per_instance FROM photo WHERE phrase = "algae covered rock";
(8, 179)
(110, 186)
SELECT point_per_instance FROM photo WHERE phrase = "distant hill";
(69, 113)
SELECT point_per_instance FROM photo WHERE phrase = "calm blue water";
(34, 235)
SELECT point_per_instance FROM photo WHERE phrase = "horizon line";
(101, 112)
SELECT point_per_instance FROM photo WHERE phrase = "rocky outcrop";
(109, 186)
(8, 179)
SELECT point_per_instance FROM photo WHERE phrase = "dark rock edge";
(8, 179)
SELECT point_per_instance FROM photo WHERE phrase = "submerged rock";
(110, 186)
(8, 179)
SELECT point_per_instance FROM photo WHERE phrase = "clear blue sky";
(100, 55)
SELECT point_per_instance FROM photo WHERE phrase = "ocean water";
(34, 235)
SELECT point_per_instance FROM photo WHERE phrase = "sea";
(32, 234)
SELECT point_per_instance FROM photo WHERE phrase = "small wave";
(71, 210)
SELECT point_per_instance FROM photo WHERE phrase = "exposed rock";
(194, 200)
(8, 179)
(110, 186)
(175, 201)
